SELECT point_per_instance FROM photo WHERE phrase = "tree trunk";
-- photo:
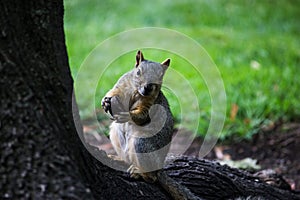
(42, 156)
(36, 118)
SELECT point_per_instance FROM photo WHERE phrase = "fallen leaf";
(233, 111)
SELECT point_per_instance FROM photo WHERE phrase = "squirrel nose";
(147, 89)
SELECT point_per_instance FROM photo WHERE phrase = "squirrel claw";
(134, 171)
(106, 105)
(135, 176)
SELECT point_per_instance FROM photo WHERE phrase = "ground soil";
(277, 149)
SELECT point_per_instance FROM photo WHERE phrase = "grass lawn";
(255, 45)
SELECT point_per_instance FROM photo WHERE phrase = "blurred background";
(255, 45)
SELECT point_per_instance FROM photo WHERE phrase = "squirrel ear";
(166, 62)
(139, 58)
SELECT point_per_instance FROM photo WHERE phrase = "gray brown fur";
(132, 132)
(142, 129)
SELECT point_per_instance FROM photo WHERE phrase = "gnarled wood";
(211, 180)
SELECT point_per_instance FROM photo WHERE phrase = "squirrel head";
(149, 75)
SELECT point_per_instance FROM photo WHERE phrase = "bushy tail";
(176, 190)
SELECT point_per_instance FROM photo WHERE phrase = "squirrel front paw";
(122, 117)
(106, 105)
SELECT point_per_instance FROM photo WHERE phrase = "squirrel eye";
(138, 72)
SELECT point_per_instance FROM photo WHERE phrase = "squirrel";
(142, 127)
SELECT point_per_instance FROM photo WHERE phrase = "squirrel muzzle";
(148, 89)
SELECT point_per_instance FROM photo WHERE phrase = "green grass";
(237, 35)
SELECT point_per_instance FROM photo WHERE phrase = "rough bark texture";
(36, 88)
(42, 156)
(211, 180)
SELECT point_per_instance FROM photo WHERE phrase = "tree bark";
(36, 90)
(210, 180)
(42, 156)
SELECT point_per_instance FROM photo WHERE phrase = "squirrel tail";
(175, 189)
